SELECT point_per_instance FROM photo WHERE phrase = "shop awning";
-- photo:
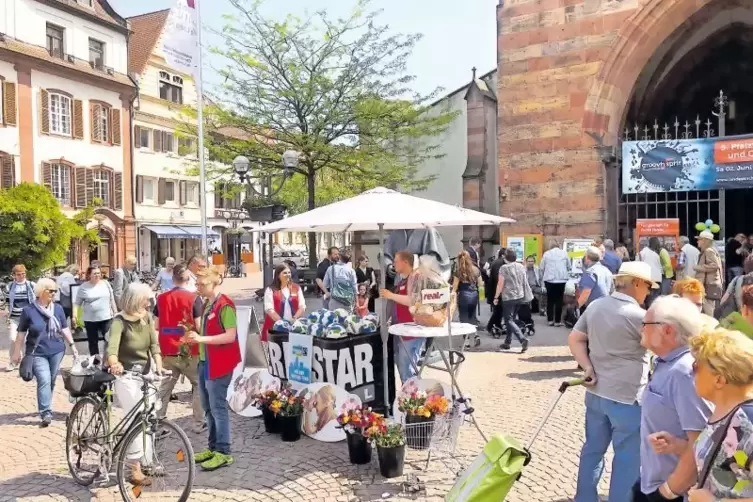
(194, 231)
(167, 231)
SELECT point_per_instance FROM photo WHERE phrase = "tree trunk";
(311, 185)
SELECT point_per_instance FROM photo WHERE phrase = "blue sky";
(457, 35)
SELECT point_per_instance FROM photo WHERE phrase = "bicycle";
(140, 425)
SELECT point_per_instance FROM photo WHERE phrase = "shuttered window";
(100, 183)
(7, 170)
(8, 103)
(56, 176)
(100, 122)
(60, 114)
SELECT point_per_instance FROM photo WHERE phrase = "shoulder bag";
(718, 437)
(26, 368)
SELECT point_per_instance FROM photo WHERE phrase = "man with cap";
(709, 272)
(606, 343)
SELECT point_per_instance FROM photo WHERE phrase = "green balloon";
(715, 228)
(700, 226)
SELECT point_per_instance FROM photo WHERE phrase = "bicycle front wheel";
(155, 463)
(86, 439)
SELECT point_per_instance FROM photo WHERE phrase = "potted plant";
(420, 412)
(390, 443)
(264, 208)
(290, 414)
(270, 403)
(356, 421)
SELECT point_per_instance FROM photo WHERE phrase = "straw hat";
(637, 270)
(706, 234)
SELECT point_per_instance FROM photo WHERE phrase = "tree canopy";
(33, 229)
(334, 90)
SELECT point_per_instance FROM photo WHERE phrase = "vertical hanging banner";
(180, 39)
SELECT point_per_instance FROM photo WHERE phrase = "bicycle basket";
(90, 383)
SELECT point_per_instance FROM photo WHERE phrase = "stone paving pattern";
(510, 393)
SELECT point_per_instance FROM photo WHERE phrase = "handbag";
(718, 438)
(26, 368)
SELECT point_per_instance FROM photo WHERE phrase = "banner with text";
(180, 38)
(354, 363)
(688, 164)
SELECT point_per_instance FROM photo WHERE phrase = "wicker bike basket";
(90, 383)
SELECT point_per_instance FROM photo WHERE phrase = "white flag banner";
(180, 40)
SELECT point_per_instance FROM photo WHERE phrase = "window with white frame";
(100, 123)
(55, 41)
(169, 191)
(143, 138)
(170, 87)
(96, 54)
(149, 190)
(61, 183)
(190, 193)
(102, 186)
(60, 114)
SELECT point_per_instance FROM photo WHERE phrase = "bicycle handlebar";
(150, 377)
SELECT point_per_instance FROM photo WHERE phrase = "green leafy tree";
(334, 90)
(35, 231)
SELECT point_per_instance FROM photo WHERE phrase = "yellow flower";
(346, 419)
(427, 413)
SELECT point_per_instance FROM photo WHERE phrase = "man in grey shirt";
(123, 277)
(512, 291)
(616, 371)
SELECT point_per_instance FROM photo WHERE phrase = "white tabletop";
(416, 331)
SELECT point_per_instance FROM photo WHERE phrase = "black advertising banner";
(688, 164)
(354, 363)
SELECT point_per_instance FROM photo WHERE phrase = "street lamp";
(242, 167)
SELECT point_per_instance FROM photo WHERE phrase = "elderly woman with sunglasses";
(44, 328)
(723, 370)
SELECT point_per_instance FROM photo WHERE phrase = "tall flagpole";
(202, 166)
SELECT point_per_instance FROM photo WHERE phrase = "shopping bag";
(492, 474)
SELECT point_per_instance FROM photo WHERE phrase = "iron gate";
(691, 206)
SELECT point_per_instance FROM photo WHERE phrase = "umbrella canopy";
(383, 207)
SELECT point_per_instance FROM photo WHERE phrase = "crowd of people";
(665, 349)
(188, 330)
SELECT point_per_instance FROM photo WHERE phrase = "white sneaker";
(11, 367)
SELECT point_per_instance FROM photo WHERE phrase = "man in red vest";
(410, 349)
(174, 310)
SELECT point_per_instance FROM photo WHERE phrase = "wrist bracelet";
(672, 494)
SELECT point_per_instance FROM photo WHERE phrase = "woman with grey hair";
(44, 328)
(133, 344)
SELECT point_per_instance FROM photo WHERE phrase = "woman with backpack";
(341, 284)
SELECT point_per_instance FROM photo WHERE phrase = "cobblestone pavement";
(510, 393)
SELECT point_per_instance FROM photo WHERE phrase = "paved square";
(510, 392)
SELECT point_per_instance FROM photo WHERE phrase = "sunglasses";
(54, 290)
(711, 367)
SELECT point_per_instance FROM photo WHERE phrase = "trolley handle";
(573, 383)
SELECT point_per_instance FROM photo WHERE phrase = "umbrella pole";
(383, 324)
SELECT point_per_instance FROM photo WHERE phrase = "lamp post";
(242, 167)
(234, 218)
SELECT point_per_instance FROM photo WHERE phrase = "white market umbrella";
(382, 209)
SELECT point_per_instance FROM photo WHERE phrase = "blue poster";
(689, 164)
(299, 366)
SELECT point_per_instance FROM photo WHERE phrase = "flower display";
(285, 402)
(418, 404)
(388, 435)
(355, 419)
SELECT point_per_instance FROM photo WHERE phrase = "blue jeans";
(509, 310)
(467, 305)
(214, 401)
(607, 422)
(405, 352)
(666, 286)
(45, 369)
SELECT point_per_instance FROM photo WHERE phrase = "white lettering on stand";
(316, 365)
(368, 395)
(276, 366)
(330, 356)
(345, 371)
(364, 353)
